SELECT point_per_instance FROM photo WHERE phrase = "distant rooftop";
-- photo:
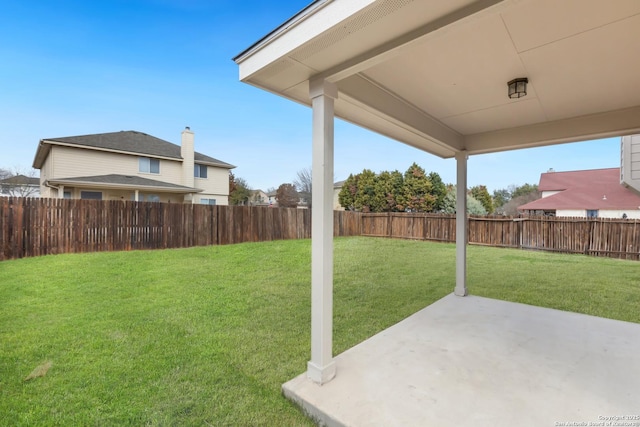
(585, 189)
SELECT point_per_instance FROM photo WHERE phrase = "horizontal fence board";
(34, 227)
(615, 238)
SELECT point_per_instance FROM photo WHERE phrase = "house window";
(66, 194)
(592, 213)
(150, 197)
(200, 171)
(91, 195)
(148, 165)
(208, 201)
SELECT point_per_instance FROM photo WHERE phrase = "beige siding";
(45, 173)
(71, 162)
(220, 199)
(110, 194)
(215, 186)
(217, 181)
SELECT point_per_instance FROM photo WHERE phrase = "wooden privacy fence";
(33, 227)
(616, 238)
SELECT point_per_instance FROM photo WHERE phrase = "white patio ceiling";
(433, 74)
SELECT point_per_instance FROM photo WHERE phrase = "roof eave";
(310, 9)
(216, 164)
(41, 154)
(106, 185)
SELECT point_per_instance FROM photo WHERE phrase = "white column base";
(461, 292)
(321, 375)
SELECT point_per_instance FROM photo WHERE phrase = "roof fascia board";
(396, 46)
(90, 147)
(106, 185)
(326, 15)
(41, 155)
(218, 165)
(286, 26)
(364, 92)
(575, 129)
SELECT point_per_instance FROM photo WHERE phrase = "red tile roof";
(588, 189)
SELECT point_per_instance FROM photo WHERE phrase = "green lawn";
(206, 336)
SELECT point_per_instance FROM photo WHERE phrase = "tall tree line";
(413, 191)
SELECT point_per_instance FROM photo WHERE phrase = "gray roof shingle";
(125, 180)
(20, 180)
(135, 142)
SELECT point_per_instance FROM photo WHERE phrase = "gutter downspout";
(59, 189)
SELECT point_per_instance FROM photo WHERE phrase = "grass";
(206, 336)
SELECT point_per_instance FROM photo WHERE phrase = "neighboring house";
(20, 186)
(302, 203)
(258, 198)
(337, 187)
(273, 202)
(130, 165)
(587, 193)
(271, 198)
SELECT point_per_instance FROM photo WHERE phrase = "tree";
(392, 191)
(232, 183)
(438, 189)
(239, 191)
(347, 194)
(523, 189)
(303, 183)
(474, 207)
(366, 189)
(416, 192)
(481, 194)
(287, 196)
(388, 187)
(511, 207)
(500, 197)
(18, 183)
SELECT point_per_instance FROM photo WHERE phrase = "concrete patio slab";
(472, 361)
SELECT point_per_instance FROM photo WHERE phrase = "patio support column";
(61, 192)
(321, 368)
(461, 223)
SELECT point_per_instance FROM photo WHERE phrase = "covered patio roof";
(433, 75)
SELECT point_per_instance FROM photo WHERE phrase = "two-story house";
(130, 165)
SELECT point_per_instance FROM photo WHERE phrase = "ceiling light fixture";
(518, 87)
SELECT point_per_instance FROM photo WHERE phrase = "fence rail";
(616, 238)
(33, 227)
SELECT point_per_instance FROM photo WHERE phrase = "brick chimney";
(187, 153)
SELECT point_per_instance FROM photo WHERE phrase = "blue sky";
(81, 67)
